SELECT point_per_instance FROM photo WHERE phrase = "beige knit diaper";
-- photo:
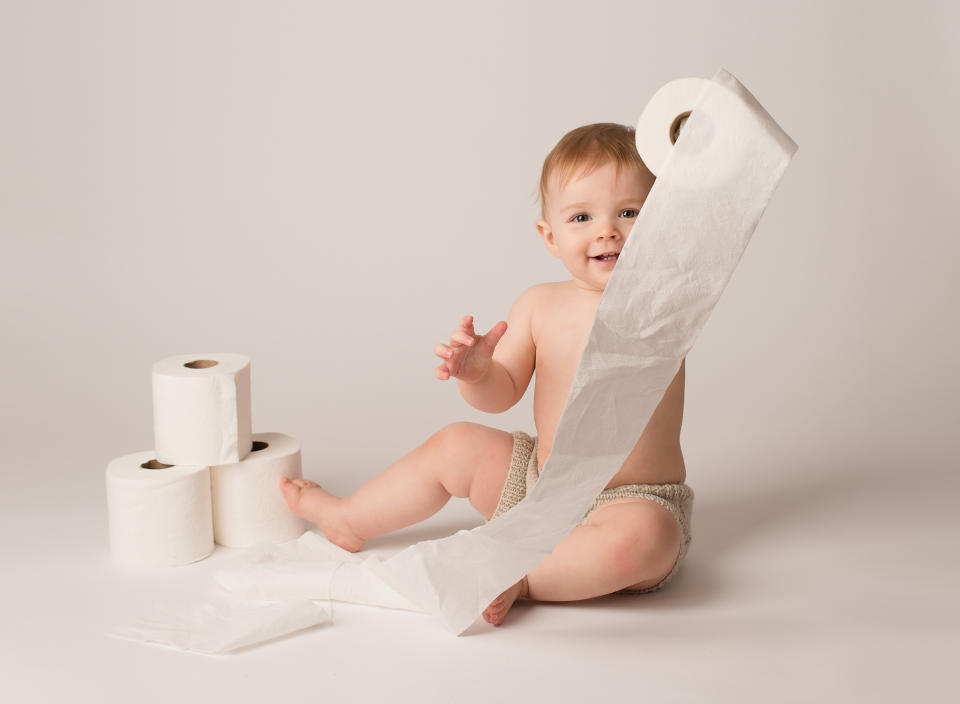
(676, 498)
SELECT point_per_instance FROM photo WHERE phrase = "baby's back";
(560, 324)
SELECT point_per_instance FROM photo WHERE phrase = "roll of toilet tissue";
(201, 409)
(248, 507)
(663, 117)
(670, 111)
(159, 514)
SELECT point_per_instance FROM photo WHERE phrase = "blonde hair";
(587, 148)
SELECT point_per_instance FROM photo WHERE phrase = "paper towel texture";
(706, 202)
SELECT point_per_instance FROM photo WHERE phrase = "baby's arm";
(493, 371)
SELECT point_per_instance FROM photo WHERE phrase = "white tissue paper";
(217, 627)
(711, 190)
(313, 568)
(248, 507)
(201, 408)
(159, 515)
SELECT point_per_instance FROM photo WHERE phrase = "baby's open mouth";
(606, 257)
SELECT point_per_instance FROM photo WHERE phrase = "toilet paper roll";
(201, 409)
(670, 112)
(662, 119)
(159, 514)
(248, 507)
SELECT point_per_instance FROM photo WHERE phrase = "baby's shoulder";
(548, 293)
(540, 303)
(539, 298)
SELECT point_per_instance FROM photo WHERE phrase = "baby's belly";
(655, 459)
(646, 463)
(652, 465)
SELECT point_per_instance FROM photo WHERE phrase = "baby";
(633, 537)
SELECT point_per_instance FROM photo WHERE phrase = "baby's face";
(591, 216)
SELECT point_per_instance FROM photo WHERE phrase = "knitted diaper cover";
(677, 498)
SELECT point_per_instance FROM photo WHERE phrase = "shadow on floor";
(764, 497)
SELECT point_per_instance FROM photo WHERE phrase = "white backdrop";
(328, 187)
(329, 190)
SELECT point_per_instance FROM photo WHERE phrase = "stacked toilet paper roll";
(210, 479)
(248, 508)
(159, 514)
(201, 408)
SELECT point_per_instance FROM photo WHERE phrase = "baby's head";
(592, 187)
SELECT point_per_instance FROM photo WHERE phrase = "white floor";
(807, 580)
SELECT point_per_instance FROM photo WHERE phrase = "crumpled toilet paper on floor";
(222, 626)
(313, 568)
(270, 591)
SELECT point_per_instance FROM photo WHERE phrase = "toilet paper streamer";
(248, 507)
(310, 567)
(201, 408)
(158, 517)
(711, 190)
(222, 626)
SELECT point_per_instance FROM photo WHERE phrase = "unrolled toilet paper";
(159, 515)
(222, 626)
(248, 507)
(310, 567)
(201, 409)
(710, 192)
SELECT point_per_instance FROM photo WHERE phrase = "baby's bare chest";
(561, 332)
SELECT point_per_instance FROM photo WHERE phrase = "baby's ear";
(543, 227)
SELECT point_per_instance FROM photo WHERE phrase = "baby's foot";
(306, 499)
(497, 611)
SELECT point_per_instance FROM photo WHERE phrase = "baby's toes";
(495, 606)
(494, 616)
(291, 492)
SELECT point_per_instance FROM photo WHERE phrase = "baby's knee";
(647, 547)
(453, 436)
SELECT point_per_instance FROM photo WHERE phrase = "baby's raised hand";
(468, 355)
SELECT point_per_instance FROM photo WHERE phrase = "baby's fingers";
(443, 351)
(442, 373)
(461, 337)
(496, 332)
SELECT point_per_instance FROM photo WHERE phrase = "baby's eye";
(629, 213)
(582, 217)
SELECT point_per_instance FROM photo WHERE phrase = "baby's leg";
(462, 459)
(626, 543)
